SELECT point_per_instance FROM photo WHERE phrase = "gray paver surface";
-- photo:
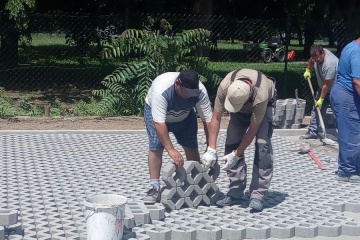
(47, 177)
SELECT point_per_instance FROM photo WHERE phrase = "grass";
(51, 72)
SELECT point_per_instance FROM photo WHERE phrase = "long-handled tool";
(305, 148)
(312, 155)
(325, 140)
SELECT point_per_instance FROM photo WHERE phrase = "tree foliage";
(17, 11)
(147, 55)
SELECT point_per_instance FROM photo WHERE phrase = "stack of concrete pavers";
(189, 186)
(9, 223)
(289, 113)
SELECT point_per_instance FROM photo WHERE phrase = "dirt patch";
(124, 123)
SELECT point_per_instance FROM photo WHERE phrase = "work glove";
(209, 158)
(307, 73)
(230, 161)
(319, 102)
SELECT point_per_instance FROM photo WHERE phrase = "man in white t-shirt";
(170, 107)
(325, 64)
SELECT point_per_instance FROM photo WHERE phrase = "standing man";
(325, 64)
(249, 96)
(345, 100)
(169, 107)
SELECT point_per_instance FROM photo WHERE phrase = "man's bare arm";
(325, 89)
(214, 128)
(356, 82)
(248, 137)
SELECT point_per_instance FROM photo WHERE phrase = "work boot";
(227, 201)
(152, 196)
(256, 204)
(342, 178)
(309, 135)
(354, 179)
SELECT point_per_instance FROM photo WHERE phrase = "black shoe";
(256, 204)
(152, 196)
(309, 135)
(228, 201)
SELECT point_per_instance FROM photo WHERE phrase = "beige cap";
(238, 93)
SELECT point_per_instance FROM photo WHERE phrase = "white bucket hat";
(238, 93)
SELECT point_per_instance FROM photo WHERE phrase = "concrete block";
(157, 212)
(213, 193)
(233, 231)
(350, 206)
(188, 166)
(169, 182)
(329, 229)
(8, 217)
(207, 232)
(188, 202)
(187, 189)
(351, 229)
(171, 199)
(183, 233)
(196, 196)
(159, 233)
(141, 217)
(258, 231)
(129, 221)
(168, 170)
(205, 200)
(306, 230)
(282, 230)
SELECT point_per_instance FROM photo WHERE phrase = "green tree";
(13, 25)
(148, 54)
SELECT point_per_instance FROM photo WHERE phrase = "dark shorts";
(185, 131)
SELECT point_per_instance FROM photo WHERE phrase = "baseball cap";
(189, 82)
(237, 94)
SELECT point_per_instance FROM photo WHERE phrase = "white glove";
(230, 161)
(209, 158)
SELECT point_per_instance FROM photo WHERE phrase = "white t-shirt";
(167, 106)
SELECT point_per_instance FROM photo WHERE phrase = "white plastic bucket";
(105, 214)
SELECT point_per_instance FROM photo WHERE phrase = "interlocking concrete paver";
(47, 176)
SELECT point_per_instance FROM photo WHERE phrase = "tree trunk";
(204, 7)
(9, 54)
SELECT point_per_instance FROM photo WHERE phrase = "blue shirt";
(349, 66)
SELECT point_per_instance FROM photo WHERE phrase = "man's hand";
(209, 158)
(177, 157)
(230, 161)
(307, 73)
(319, 102)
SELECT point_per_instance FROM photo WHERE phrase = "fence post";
(287, 42)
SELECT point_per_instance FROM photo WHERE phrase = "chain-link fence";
(58, 54)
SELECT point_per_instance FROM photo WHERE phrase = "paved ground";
(47, 177)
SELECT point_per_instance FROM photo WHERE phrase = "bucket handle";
(91, 212)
